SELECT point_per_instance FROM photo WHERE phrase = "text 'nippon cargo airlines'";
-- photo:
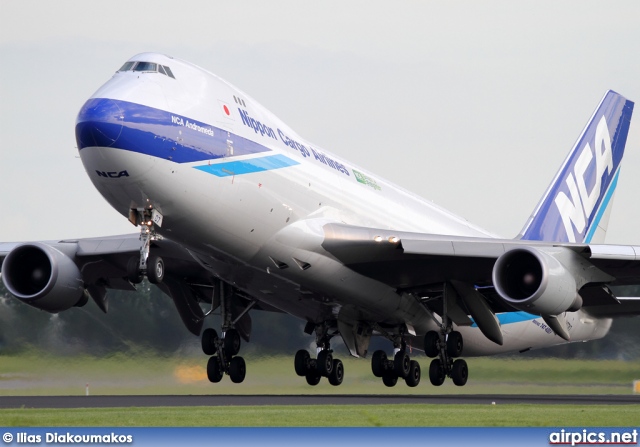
(239, 213)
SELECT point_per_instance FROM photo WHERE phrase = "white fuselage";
(263, 182)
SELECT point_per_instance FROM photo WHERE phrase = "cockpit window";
(169, 73)
(127, 66)
(147, 66)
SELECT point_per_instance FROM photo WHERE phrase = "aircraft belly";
(272, 290)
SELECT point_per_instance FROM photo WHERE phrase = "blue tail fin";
(575, 206)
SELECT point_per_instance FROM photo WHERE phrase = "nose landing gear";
(145, 265)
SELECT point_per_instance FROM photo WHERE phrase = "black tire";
(325, 363)
(460, 372)
(436, 372)
(155, 269)
(379, 363)
(313, 378)
(133, 271)
(237, 369)
(209, 340)
(214, 370)
(413, 379)
(390, 380)
(431, 340)
(401, 364)
(301, 362)
(232, 342)
(454, 344)
(337, 373)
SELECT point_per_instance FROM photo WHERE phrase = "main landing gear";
(223, 355)
(322, 366)
(223, 351)
(445, 347)
(445, 344)
(399, 367)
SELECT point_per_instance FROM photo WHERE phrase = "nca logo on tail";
(577, 210)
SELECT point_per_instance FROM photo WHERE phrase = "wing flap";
(473, 249)
(615, 252)
(129, 243)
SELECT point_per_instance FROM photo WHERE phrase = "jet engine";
(43, 277)
(535, 281)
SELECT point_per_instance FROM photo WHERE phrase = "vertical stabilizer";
(576, 206)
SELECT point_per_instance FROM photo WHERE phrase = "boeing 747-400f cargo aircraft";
(238, 212)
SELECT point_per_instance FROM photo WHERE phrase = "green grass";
(40, 374)
(332, 416)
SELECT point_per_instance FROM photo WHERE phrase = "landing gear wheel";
(337, 373)
(459, 372)
(155, 269)
(401, 364)
(209, 340)
(232, 342)
(325, 363)
(413, 379)
(454, 344)
(214, 370)
(313, 378)
(431, 339)
(390, 380)
(379, 363)
(237, 369)
(133, 271)
(436, 372)
(301, 362)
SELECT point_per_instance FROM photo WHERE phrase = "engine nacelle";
(535, 281)
(43, 277)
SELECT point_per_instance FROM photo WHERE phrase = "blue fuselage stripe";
(248, 166)
(137, 128)
(513, 317)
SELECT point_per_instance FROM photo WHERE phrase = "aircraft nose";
(99, 123)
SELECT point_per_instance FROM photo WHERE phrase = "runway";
(343, 399)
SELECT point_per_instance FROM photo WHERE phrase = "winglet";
(576, 206)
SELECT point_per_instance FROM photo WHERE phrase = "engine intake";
(535, 281)
(43, 277)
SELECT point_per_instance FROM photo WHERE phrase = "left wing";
(544, 278)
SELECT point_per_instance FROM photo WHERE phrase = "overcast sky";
(473, 105)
